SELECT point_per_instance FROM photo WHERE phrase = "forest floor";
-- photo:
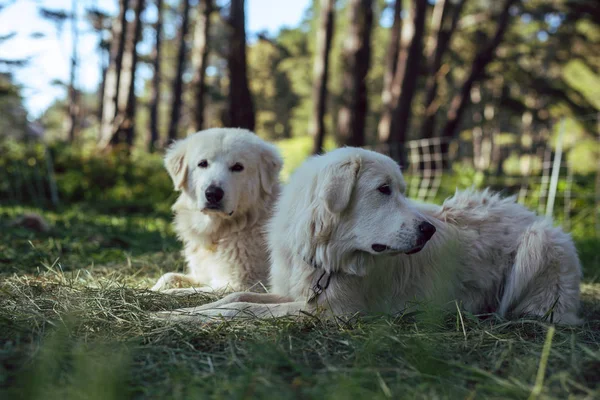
(75, 322)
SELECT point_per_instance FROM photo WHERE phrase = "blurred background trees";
(495, 74)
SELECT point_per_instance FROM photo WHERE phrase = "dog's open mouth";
(415, 250)
(380, 248)
(215, 209)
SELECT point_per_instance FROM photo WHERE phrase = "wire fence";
(548, 179)
(545, 182)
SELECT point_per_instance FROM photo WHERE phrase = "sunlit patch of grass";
(296, 150)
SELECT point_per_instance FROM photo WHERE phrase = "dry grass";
(75, 322)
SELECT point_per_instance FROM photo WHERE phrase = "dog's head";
(224, 172)
(359, 211)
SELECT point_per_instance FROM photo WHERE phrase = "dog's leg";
(234, 310)
(544, 281)
(246, 297)
(173, 279)
(187, 291)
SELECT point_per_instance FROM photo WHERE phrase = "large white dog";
(229, 180)
(345, 239)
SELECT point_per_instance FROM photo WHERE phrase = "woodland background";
(500, 93)
(354, 72)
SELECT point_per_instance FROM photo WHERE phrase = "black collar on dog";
(318, 288)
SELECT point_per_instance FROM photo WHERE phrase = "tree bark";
(482, 59)
(446, 18)
(156, 78)
(387, 100)
(124, 122)
(178, 80)
(321, 74)
(103, 72)
(356, 59)
(241, 107)
(113, 74)
(200, 60)
(73, 92)
(411, 67)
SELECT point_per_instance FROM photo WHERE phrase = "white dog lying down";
(229, 180)
(344, 238)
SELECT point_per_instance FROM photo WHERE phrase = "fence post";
(555, 170)
(51, 178)
(597, 202)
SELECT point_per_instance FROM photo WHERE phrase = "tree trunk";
(387, 100)
(200, 60)
(73, 92)
(321, 74)
(178, 81)
(155, 95)
(482, 59)
(241, 108)
(356, 59)
(124, 123)
(113, 74)
(101, 90)
(412, 61)
(446, 18)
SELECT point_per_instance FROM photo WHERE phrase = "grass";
(75, 323)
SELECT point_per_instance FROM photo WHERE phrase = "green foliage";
(580, 77)
(13, 117)
(112, 181)
(135, 183)
(295, 151)
(270, 83)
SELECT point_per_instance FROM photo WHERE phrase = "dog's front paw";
(163, 283)
(170, 280)
(194, 315)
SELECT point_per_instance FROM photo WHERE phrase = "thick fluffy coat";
(344, 238)
(228, 180)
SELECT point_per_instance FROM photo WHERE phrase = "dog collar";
(318, 288)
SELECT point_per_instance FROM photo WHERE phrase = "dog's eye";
(203, 164)
(237, 167)
(385, 189)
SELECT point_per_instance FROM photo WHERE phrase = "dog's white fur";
(225, 248)
(489, 253)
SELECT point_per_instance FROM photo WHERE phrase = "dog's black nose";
(427, 230)
(214, 194)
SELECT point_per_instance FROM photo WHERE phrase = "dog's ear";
(338, 183)
(269, 168)
(175, 163)
(334, 187)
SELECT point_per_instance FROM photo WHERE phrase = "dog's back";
(515, 262)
